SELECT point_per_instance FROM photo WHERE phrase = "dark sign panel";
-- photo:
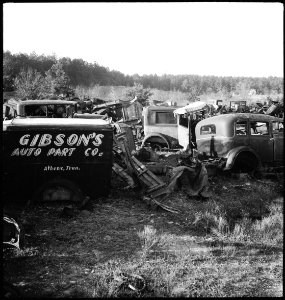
(33, 157)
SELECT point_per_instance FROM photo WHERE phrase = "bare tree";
(29, 84)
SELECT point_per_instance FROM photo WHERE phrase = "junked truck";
(42, 155)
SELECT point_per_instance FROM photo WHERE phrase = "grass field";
(230, 245)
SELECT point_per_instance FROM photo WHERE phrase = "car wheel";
(158, 146)
(245, 162)
(10, 291)
(58, 189)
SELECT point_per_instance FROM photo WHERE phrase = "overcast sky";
(222, 39)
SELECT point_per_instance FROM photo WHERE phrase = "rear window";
(208, 129)
(259, 128)
(241, 128)
(277, 127)
(48, 110)
(35, 110)
(165, 118)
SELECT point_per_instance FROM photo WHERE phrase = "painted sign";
(33, 157)
(61, 144)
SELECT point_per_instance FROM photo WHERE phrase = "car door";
(183, 131)
(261, 140)
(241, 133)
(278, 140)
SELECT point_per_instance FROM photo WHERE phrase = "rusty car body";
(246, 141)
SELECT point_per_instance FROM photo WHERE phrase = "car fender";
(233, 153)
(159, 135)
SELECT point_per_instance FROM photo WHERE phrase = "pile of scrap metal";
(273, 108)
(126, 111)
(183, 172)
(119, 111)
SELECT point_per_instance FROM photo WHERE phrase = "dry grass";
(214, 248)
(187, 269)
(267, 232)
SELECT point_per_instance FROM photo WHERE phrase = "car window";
(277, 127)
(208, 129)
(35, 110)
(183, 121)
(165, 118)
(259, 128)
(241, 128)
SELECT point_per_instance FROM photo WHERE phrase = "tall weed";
(151, 241)
(270, 229)
(267, 231)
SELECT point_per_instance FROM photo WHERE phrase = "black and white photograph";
(142, 149)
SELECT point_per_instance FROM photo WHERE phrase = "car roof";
(55, 122)
(162, 108)
(46, 101)
(239, 116)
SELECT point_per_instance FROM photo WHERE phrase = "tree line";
(81, 73)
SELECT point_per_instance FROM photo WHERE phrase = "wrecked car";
(168, 127)
(160, 127)
(238, 104)
(187, 118)
(42, 108)
(245, 141)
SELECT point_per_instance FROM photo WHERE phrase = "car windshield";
(35, 110)
(165, 118)
(49, 110)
